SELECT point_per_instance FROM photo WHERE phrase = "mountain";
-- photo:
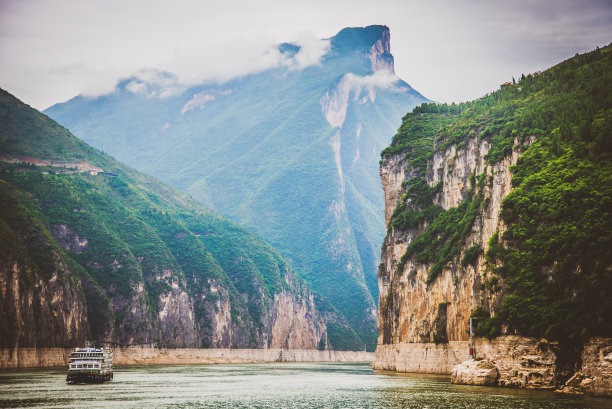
(91, 249)
(291, 153)
(499, 210)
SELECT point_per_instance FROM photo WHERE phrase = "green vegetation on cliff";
(553, 263)
(137, 251)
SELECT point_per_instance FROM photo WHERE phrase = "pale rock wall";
(421, 357)
(34, 357)
(147, 356)
(37, 309)
(522, 362)
(59, 357)
(380, 54)
(221, 319)
(294, 325)
(530, 363)
(177, 321)
(392, 175)
(408, 307)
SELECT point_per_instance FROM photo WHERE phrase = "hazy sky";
(52, 50)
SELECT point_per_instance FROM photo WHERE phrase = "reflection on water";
(279, 385)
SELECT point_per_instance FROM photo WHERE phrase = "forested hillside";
(93, 250)
(545, 268)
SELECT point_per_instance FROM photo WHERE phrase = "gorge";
(495, 267)
(290, 153)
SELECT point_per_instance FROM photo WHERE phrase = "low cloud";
(52, 50)
(334, 103)
(154, 83)
(312, 50)
(226, 61)
(381, 79)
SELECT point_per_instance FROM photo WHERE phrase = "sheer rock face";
(380, 53)
(53, 313)
(176, 317)
(408, 307)
(294, 326)
(392, 175)
(37, 310)
(40, 311)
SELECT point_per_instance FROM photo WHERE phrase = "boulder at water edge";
(473, 372)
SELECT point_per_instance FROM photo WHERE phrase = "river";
(275, 385)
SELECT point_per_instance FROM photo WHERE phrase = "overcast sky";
(52, 50)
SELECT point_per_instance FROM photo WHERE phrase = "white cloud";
(197, 101)
(225, 60)
(51, 50)
(152, 83)
(312, 50)
(334, 103)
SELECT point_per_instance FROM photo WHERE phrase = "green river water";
(278, 385)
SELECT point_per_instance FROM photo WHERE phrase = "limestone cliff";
(493, 213)
(380, 53)
(409, 306)
(38, 310)
(415, 311)
(49, 300)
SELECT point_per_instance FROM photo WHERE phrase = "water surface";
(278, 385)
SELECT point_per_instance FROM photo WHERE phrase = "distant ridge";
(290, 153)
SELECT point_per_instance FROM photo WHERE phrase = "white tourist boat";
(90, 365)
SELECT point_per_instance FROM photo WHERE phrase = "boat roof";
(92, 349)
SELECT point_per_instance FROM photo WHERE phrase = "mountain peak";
(373, 41)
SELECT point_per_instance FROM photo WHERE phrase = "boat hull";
(84, 377)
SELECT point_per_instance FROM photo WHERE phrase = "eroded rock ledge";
(528, 363)
(509, 361)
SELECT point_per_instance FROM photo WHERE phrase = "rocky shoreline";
(507, 361)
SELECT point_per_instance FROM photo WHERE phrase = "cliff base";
(529, 363)
(54, 357)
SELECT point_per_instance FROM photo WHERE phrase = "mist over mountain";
(291, 153)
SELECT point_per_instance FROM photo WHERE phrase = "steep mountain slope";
(499, 209)
(91, 249)
(291, 153)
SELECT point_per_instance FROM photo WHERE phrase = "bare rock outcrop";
(595, 376)
(474, 372)
(408, 305)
